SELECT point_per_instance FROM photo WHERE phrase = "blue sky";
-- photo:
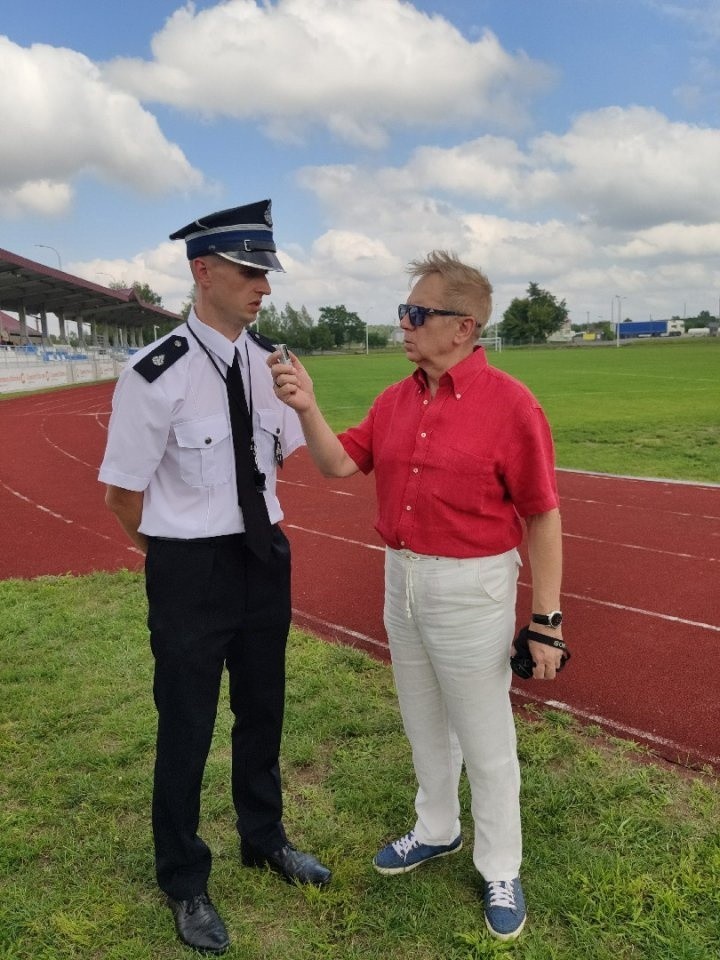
(571, 143)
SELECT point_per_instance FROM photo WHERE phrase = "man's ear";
(466, 329)
(200, 271)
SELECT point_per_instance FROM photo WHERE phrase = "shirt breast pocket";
(205, 451)
(463, 481)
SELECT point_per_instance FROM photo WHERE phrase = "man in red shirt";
(461, 452)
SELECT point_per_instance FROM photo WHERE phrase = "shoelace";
(501, 893)
(405, 844)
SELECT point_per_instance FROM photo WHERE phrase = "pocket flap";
(202, 434)
(271, 421)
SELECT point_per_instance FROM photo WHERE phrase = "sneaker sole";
(505, 936)
(389, 871)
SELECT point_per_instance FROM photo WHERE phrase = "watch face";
(553, 619)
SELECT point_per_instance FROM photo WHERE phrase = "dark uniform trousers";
(211, 604)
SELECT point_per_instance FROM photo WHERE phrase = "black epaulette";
(264, 342)
(161, 357)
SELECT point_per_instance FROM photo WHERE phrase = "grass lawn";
(649, 409)
(622, 857)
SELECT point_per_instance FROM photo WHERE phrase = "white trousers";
(450, 626)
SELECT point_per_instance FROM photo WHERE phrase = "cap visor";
(262, 259)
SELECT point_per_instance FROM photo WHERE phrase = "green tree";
(269, 323)
(144, 292)
(188, 305)
(321, 337)
(296, 327)
(534, 317)
(344, 325)
(377, 338)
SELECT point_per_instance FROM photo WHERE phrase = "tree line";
(529, 319)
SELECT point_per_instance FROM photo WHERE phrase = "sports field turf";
(649, 409)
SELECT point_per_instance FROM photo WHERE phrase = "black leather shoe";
(198, 924)
(292, 864)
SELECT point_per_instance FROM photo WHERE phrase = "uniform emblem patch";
(161, 358)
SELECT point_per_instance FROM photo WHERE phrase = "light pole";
(619, 317)
(48, 247)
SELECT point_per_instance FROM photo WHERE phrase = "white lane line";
(521, 583)
(332, 536)
(639, 546)
(65, 453)
(654, 508)
(59, 516)
(702, 484)
(310, 486)
(633, 732)
(344, 631)
(628, 731)
(628, 609)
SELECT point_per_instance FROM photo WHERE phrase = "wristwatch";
(552, 619)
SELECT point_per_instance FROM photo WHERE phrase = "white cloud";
(356, 69)
(634, 168)
(703, 15)
(619, 168)
(60, 119)
(35, 197)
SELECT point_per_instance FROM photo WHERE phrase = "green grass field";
(622, 856)
(646, 409)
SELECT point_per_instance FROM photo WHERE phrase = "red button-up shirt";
(455, 472)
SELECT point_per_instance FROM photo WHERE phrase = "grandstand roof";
(25, 283)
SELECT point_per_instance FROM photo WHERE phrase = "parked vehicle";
(650, 328)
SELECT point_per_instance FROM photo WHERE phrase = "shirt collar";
(216, 342)
(461, 375)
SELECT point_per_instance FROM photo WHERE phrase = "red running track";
(640, 596)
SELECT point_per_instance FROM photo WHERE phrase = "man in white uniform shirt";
(194, 441)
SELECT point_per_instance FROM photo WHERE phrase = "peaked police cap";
(241, 234)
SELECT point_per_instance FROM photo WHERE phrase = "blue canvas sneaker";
(504, 908)
(405, 854)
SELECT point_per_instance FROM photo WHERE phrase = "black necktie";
(251, 500)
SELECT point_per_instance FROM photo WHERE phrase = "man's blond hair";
(467, 289)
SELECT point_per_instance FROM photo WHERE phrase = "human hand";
(292, 382)
(541, 659)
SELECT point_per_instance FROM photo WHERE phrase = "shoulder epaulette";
(264, 342)
(161, 357)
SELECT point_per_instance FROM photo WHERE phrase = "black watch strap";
(552, 619)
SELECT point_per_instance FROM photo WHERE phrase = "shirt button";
(208, 439)
(408, 507)
(457, 396)
(425, 402)
(402, 543)
(415, 470)
(423, 434)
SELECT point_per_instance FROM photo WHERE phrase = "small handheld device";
(284, 354)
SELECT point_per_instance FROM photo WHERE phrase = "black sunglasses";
(418, 315)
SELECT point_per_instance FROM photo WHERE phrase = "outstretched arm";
(295, 388)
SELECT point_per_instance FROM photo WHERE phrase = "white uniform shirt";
(172, 438)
